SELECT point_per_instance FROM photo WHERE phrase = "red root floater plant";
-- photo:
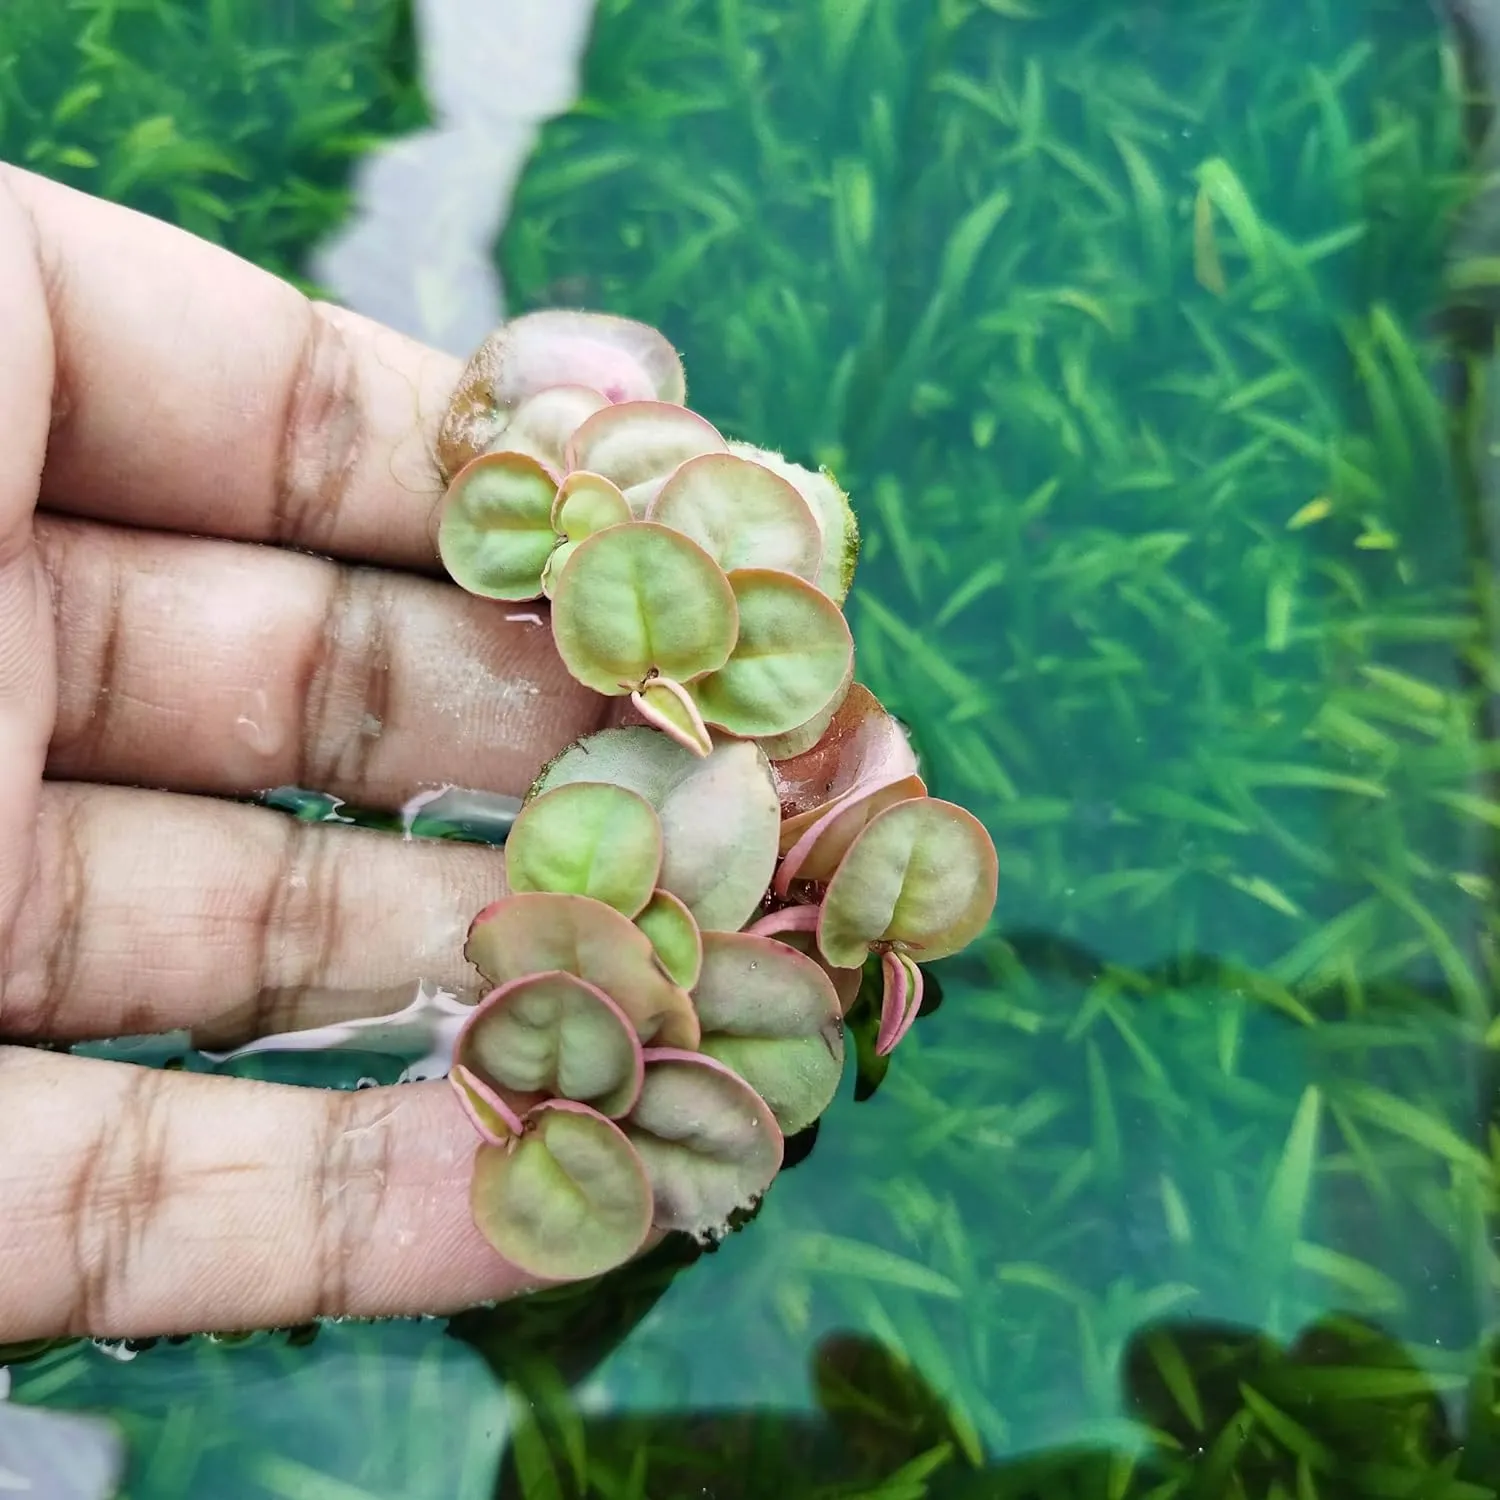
(691, 898)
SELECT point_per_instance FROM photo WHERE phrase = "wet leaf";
(587, 839)
(495, 533)
(537, 932)
(569, 1200)
(791, 656)
(921, 876)
(862, 744)
(710, 1144)
(555, 1035)
(639, 600)
(771, 1014)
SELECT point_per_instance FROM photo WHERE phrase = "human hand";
(166, 411)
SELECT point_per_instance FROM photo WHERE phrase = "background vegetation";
(1128, 327)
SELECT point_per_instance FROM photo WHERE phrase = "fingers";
(214, 667)
(151, 912)
(195, 392)
(161, 1202)
(26, 684)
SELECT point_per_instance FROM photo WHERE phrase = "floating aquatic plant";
(691, 899)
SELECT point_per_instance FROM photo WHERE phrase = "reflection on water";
(1151, 341)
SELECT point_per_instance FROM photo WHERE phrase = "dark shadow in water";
(1221, 1410)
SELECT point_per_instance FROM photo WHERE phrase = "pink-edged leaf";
(489, 1114)
(666, 704)
(557, 1036)
(537, 932)
(798, 741)
(785, 919)
(830, 506)
(816, 855)
(901, 999)
(791, 657)
(495, 530)
(921, 877)
(569, 1199)
(709, 1142)
(741, 514)
(639, 445)
(639, 600)
(846, 982)
(863, 743)
(542, 424)
(621, 359)
(772, 1015)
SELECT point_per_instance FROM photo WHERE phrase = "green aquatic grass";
(239, 121)
(1125, 327)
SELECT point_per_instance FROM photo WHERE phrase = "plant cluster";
(692, 897)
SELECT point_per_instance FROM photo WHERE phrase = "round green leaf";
(621, 359)
(709, 1142)
(720, 816)
(862, 744)
(587, 839)
(830, 506)
(587, 503)
(790, 658)
(670, 707)
(816, 855)
(741, 514)
(536, 932)
(568, 1200)
(641, 599)
(802, 739)
(639, 444)
(557, 1036)
(495, 532)
(542, 424)
(921, 877)
(675, 936)
(772, 1014)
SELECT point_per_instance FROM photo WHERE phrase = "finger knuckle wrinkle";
(42, 957)
(299, 926)
(349, 1188)
(322, 433)
(348, 690)
(114, 1203)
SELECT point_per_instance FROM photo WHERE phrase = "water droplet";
(254, 726)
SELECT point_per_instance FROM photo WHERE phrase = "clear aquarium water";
(1153, 342)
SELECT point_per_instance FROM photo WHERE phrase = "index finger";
(197, 393)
